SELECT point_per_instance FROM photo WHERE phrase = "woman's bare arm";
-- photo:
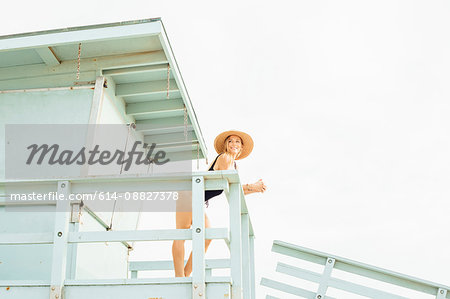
(259, 186)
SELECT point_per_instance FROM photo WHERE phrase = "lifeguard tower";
(124, 74)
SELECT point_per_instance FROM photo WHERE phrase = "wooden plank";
(136, 70)
(48, 56)
(130, 236)
(246, 279)
(88, 65)
(171, 138)
(26, 238)
(141, 88)
(97, 100)
(75, 35)
(198, 238)
(252, 266)
(142, 235)
(61, 234)
(236, 241)
(168, 265)
(161, 123)
(336, 283)
(149, 107)
(49, 81)
(289, 289)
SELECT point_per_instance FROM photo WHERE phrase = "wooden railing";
(326, 280)
(239, 236)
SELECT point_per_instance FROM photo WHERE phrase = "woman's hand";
(259, 186)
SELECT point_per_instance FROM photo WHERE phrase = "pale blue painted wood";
(155, 107)
(48, 56)
(140, 88)
(289, 289)
(336, 283)
(61, 233)
(72, 253)
(182, 88)
(358, 268)
(198, 238)
(246, 279)
(168, 265)
(252, 266)
(324, 280)
(64, 37)
(89, 65)
(235, 240)
(171, 181)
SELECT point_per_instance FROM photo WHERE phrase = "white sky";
(348, 104)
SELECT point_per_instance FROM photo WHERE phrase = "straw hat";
(247, 143)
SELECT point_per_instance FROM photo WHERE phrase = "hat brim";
(247, 143)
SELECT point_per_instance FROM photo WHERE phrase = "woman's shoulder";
(223, 161)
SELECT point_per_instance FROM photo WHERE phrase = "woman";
(231, 146)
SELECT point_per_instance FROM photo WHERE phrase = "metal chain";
(168, 80)
(79, 61)
(185, 124)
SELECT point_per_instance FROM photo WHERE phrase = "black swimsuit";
(212, 193)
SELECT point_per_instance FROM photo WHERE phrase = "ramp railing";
(325, 280)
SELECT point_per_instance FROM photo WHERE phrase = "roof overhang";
(134, 56)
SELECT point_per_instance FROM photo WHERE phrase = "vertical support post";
(59, 257)
(246, 256)
(72, 253)
(94, 117)
(198, 238)
(235, 240)
(74, 226)
(441, 294)
(134, 274)
(97, 100)
(323, 285)
(252, 266)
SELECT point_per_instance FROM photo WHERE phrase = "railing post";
(198, 238)
(441, 294)
(59, 257)
(252, 266)
(72, 249)
(323, 285)
(235, 240)
(246, 256)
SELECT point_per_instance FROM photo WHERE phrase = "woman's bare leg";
(184, 221)
(188, 267)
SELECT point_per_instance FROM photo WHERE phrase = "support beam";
(87, 64)
(61, 234)
(152, 107)
(323, 284)
(161, 123)
(198, 238)
(246, 269)
(88, 34)
(172, 138)
(145, 88)
(154, 130)
(136, 70)
(235, 240)
(143, 235)
(48, 56)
